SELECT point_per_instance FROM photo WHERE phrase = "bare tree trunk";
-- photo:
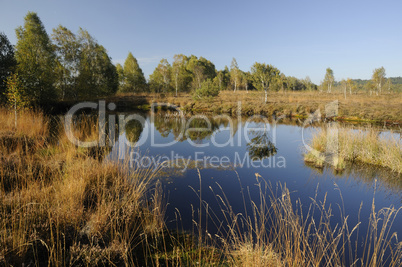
(344, 91)
(266, 96)
(15, 114)
(380, 85)
(176, 84)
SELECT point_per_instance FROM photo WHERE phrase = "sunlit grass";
(61, 205)
(278, 231)
(365, 146)
(358, 106)
(64, 205)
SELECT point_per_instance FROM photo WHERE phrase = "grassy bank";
(356, 107)
(60, 205)
(63, 205)
(364, 146)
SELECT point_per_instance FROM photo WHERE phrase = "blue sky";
(301, 38)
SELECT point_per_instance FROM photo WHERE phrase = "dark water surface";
(224, 156)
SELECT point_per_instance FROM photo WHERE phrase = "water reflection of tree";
(261, 147)
(203, 129)
(206, 126)
(369, 174)
(134, 129)
(366, 174)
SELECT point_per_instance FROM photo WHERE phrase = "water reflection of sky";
(356, 184)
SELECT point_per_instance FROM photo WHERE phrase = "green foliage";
(133, 131)
(7, 64)
(308, 85)
(235, 74)
(329, 80)
(378, 79)
(200, 69)
(369, 87)
(264, 76)
(246, 81)
(261, 147)
(181, 77)
(351, 85)
(223, 78)
(67, 50)
(159, 80)
(133, 78)
(396, 80)
(83, 68)
(36, 60)
(16, 94)
(394, 85)
(120, 75)
(208, 89)
(97, 75)
(294, 84)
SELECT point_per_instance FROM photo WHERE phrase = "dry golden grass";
(281, 232)
(29, 123)
(360, 106)
(60, 206)
(63, 205)
(364, 145)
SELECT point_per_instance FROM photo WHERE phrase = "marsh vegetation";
(65, 205)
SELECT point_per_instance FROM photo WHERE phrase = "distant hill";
(394, 80)
(396, 84)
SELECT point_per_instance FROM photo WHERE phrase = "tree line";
(42, 68)
(64, 65)
(193, 74)
(378, 84)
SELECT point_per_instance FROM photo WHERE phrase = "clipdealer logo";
(107, 133)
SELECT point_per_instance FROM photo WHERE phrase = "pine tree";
(134, 80)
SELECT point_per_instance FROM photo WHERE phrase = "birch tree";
(351, 85)
(97, 75)
(378, 79)
(344, 85)
(16, 95)
(262, 75)
(329, 79)
(36, 60)
(235, 74)
(181, 77)
(160, 79)
(67, 50)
